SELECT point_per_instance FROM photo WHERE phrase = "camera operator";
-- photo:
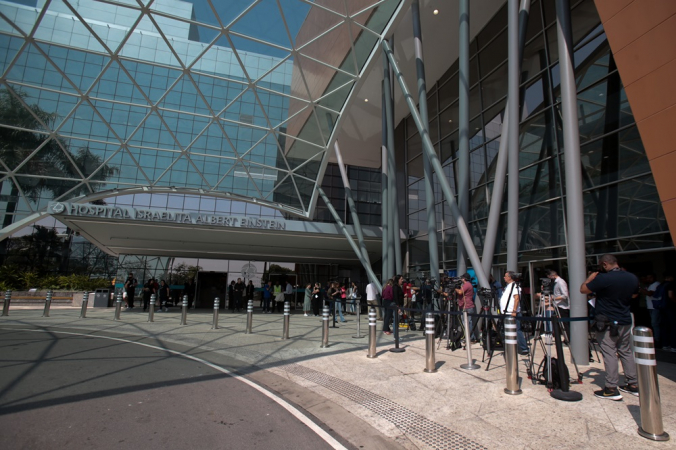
(560, 294)
(425, 302)
(466, 300)
(509, 304)
(614, 290)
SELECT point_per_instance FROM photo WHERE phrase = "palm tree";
(25, 130)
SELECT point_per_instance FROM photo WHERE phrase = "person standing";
(240, 287)
(560, 295)
(466, 301)
(288, 294)
(387, 306)
(316, 298)
(669, 297)
(231, 296)
(614, 290)
(509, 305)
(278, 297)
(189, 290)
(130, 289)
(372, 298)
(267, 297)
(397, 295)
(148, 290)
(655, 313)
(339, 298)
(307, 300)
(250, 289)
(163, 292)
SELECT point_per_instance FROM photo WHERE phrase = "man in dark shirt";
(614, 290)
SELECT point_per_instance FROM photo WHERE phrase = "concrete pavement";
(390, 398)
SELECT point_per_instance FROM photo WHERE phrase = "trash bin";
(101, 297)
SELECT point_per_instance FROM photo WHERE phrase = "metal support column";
(387, 265)
(350, 203)
(574, 206)
(427, 167)
(369, 272)
(513, 77)
(449, 195)
(392, 208)
(501, 164)
(463, 123)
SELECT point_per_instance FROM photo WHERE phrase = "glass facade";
(214, 107)
(621, 204)
(236, 98)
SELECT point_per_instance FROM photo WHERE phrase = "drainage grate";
(413, 424)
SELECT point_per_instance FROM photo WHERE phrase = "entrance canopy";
(153, 232)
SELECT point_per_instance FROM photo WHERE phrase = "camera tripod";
(547, 308)
(450, 326)
(491, 335)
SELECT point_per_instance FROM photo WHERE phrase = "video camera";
(546, 284)
(453, 282)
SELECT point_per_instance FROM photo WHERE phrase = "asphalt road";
(80, 392)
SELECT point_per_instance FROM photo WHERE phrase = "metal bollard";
(249, 317)
(118, 305)
(151, 309)
(468, 345)
(358, 335)
(8, 300)
(217, 302)
(325, 327)
(48, 303)
(649, 392)
(85, 301)
(511, 361)
(430, 363)
(372, 333)
(184, 311)
(287, 313)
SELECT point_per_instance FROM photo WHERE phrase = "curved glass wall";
(621, 204)
(215, 98)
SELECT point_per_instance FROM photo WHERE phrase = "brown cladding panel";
(642, 36)
(642, 56)
(664, 170)
(653, 93)
(657, 133)
(608, 8)
(635, 20)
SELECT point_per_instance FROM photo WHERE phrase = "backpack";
(556, 381)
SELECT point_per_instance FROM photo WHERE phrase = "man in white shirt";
(288, 294)
(372, 298)
(509, 305)
(655, 316)
(561, 296)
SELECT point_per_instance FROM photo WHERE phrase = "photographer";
(509, 304)
(614, 290)
(466, 300)
(558, 289)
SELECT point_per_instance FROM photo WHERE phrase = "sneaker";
(305, 315)
(666, 347)
(609, 393)
(629, 389)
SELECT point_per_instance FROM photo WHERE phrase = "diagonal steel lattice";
(234, 99)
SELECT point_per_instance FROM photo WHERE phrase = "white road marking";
(280, 401)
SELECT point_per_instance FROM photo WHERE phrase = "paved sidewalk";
(452, 408)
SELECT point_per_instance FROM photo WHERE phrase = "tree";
(26, 129)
